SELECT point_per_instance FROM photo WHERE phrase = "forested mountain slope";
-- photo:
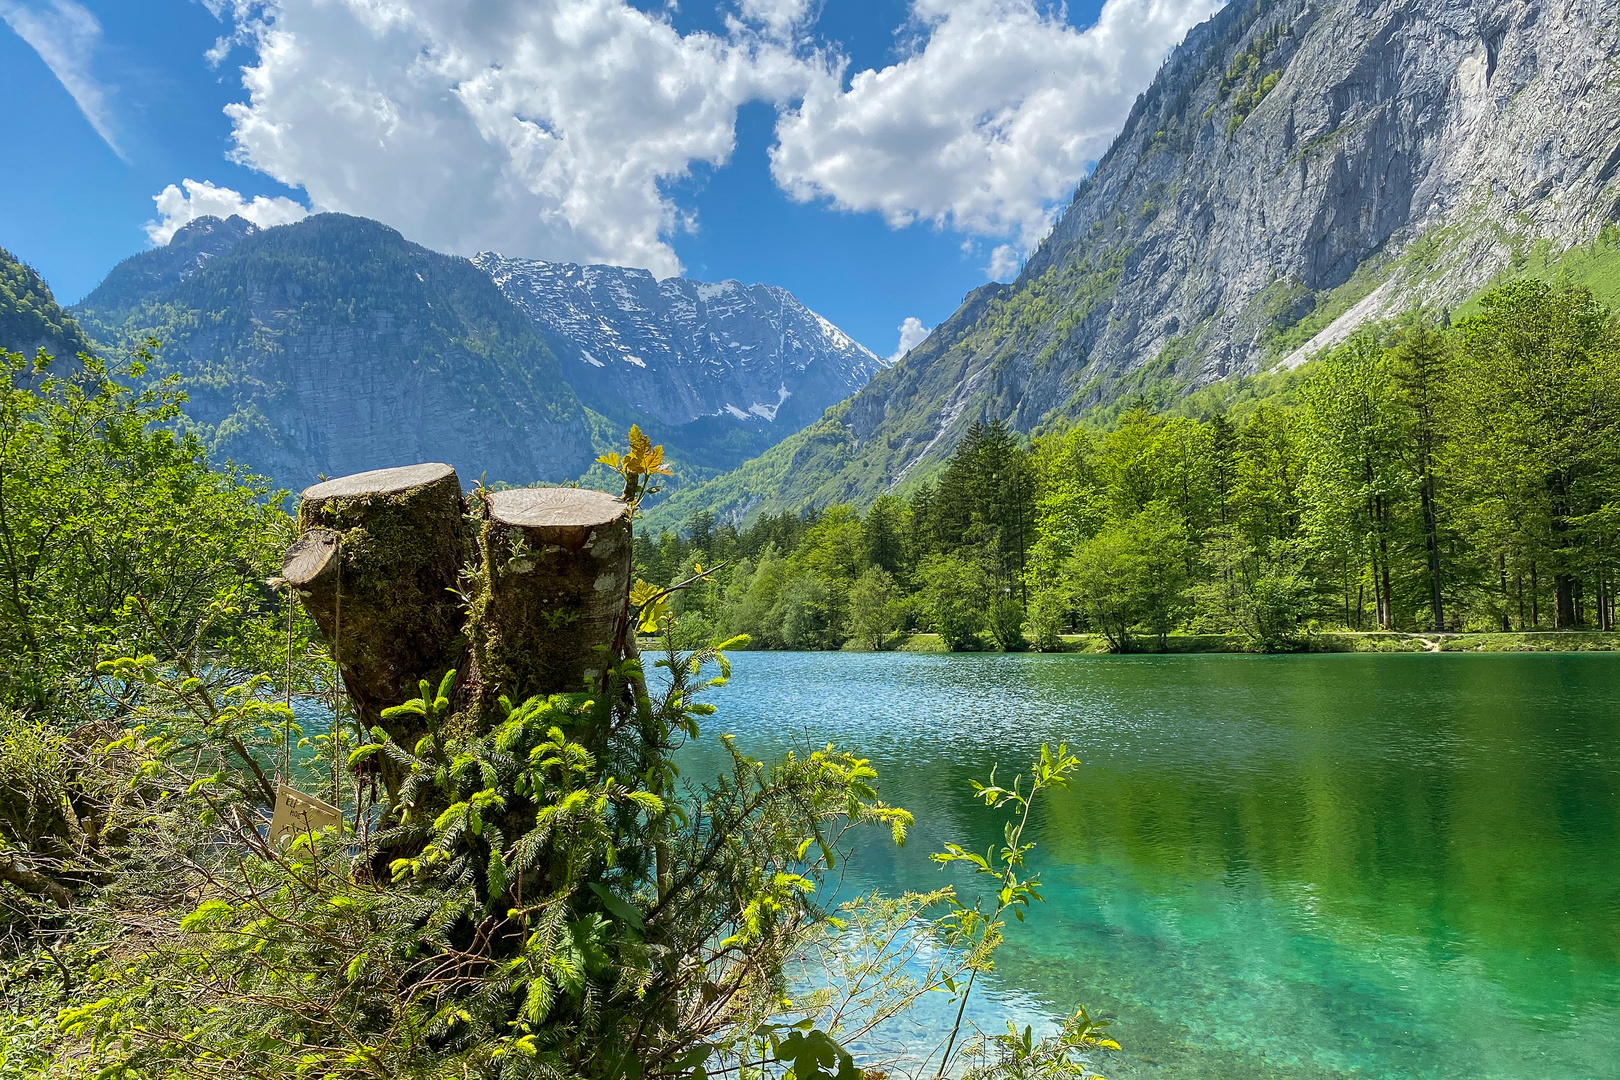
(30, 318)
(1296, 168)
(136, 278)
(335, 345)
(717, 372)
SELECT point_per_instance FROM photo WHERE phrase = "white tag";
(297, 813)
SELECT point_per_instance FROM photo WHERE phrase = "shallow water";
(1324, 866)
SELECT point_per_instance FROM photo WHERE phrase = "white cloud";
(989, 122)
(553, 128)
(780, 17)
(545, 129)
(1004, 262)
(202, 199)
(912, 334)
(65, 35)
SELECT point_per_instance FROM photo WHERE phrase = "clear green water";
(1336, 866)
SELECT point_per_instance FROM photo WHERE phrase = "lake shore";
(1533, 641)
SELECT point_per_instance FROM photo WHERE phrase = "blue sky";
(878, 158)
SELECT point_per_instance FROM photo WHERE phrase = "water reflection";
(1313, 866)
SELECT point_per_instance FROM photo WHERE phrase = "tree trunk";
(377, 562)
(550, 608)
(1431, 529)
(1535, 599)
(1563, 602)
(1387, 613)
(1501, 573)
(31, 881)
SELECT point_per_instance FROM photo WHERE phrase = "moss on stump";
(550, 601)
(393, 542)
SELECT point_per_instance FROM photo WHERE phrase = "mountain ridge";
(1295, 168)
(717, 368)
(30, 317)
(302, 360)
(298, 348)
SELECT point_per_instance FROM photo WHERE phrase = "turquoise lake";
(1290, 867)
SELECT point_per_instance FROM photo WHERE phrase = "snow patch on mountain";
(686, 350)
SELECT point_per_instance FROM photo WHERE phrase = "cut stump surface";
(379, 482)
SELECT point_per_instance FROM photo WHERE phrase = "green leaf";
(209, 914)
(617, 907)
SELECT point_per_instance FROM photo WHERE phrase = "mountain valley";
(1297, 169)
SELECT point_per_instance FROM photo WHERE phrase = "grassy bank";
(1340, 642)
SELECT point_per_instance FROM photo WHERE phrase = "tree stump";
(551, 603)
(378, 558)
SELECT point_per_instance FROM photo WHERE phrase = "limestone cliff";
(1296, 167)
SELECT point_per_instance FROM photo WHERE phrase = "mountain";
(1297, 168)
(188, 250)
(718, 372)
(30, 318)
(334, 345)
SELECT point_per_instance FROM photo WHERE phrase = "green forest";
(1427, 475)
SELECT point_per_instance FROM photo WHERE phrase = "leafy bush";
(874, 608)
(951, 591)
(101, 501)
(1007, 624)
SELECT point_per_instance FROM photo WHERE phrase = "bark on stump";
(376, 562)
(551, 605)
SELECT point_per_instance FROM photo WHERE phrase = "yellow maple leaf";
(644, 458)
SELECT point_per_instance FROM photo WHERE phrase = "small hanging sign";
(297, 813)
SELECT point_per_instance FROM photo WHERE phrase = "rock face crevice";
(1296, 167)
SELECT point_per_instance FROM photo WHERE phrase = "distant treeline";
(1421, 476)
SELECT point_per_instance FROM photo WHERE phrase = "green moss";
(399, 621)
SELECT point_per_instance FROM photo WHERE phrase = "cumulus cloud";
(912, 334)
(988, 123)
(65, 35)
(537, 128)
(191, 200)
(553, 128)
(1004, 262)
(780, 17)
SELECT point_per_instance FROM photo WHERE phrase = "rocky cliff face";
(1299, 159)
(334, 345)
(1296, 168)
(717, 370)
